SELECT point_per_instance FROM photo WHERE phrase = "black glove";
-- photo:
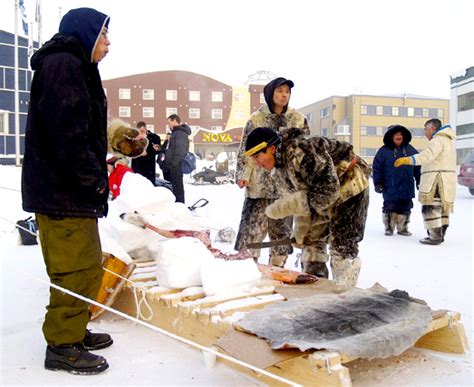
(379, 188)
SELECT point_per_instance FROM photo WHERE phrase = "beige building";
(363, 119)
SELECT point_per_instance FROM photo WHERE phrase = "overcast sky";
(334, 47)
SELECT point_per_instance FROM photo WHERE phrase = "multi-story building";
(215, 111)
(363, 119)
(461, 111)
(8, 135)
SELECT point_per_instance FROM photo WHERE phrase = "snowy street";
(441, 275)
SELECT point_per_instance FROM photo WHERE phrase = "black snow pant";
(176, 175)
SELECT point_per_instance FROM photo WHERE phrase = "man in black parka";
(177, 150)
(64, 181)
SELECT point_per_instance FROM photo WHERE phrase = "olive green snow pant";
(72, 254)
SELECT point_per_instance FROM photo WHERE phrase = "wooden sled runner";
(211, 321)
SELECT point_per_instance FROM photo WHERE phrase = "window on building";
(216, 128)
(309, 117)
(379, 131)
(124, 111)
(149, 94)
(368, 152)
(426, 112)
(363, 130)
(171, 110)
(379, 110)
(216, 114)
(194, 113)
(324, 112)
(262, 98)
(3, 122)
(371, 110)
(124, 93)
(238, 114)
(462, 129)
(410, 112)
(418, 132)
(387, 110)
(394, 110)
(466, 102)
(402, 111)
(418, 112)
(343, 129)
(194, 95)
(216, 96)
(149, 112)
(440, 113)
(151, 127)
(325, 132)
(363, 109)
(171, 95)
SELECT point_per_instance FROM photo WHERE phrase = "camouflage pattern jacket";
(328, 170)
(261, 183)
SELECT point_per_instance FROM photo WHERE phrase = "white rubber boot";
(345, 273)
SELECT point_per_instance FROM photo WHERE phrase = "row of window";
(401, 111)
(378, 131)
(193, 95)
(149, 112)
(172, 95)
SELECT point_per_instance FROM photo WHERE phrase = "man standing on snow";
(178, 147)
(64, 181)
(323, 179)
(260, 188)
(438, 179)
(396, 185)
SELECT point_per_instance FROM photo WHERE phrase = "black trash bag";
(28, 228)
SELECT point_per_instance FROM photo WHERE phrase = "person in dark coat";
(145, 164)
(64, 181)
(396, 184)
(160, 159)
(177, 149)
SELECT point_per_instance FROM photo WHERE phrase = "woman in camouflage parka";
(323, 179)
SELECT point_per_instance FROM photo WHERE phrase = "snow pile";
(157, 207)
(179, 262)
(220, 276)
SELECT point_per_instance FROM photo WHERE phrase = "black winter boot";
(319, 269)
(74, 359)
(94, 341)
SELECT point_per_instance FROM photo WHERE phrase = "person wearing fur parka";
(326, 188)
(395, 184)
(260, 188)
(438, 179)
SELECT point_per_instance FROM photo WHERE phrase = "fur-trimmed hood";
(391, 131)
(121, 138)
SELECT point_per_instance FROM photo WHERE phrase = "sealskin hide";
(359, 323)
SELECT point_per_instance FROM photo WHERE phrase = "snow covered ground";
(441, 275)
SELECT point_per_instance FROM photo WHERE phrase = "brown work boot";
(94, 341)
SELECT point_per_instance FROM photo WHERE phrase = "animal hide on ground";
(359, 323)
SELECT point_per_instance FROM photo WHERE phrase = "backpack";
(26, 227)
(188, 164)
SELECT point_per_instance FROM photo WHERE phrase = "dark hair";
(140, 124)
(435, 122)
(175, 117)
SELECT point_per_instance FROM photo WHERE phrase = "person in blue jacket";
(396, 184)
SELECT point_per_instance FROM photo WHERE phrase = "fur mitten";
(302, 226)
(291, 204)
(123, 139)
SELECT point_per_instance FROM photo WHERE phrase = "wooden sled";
(210, 321)
(111, 284)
